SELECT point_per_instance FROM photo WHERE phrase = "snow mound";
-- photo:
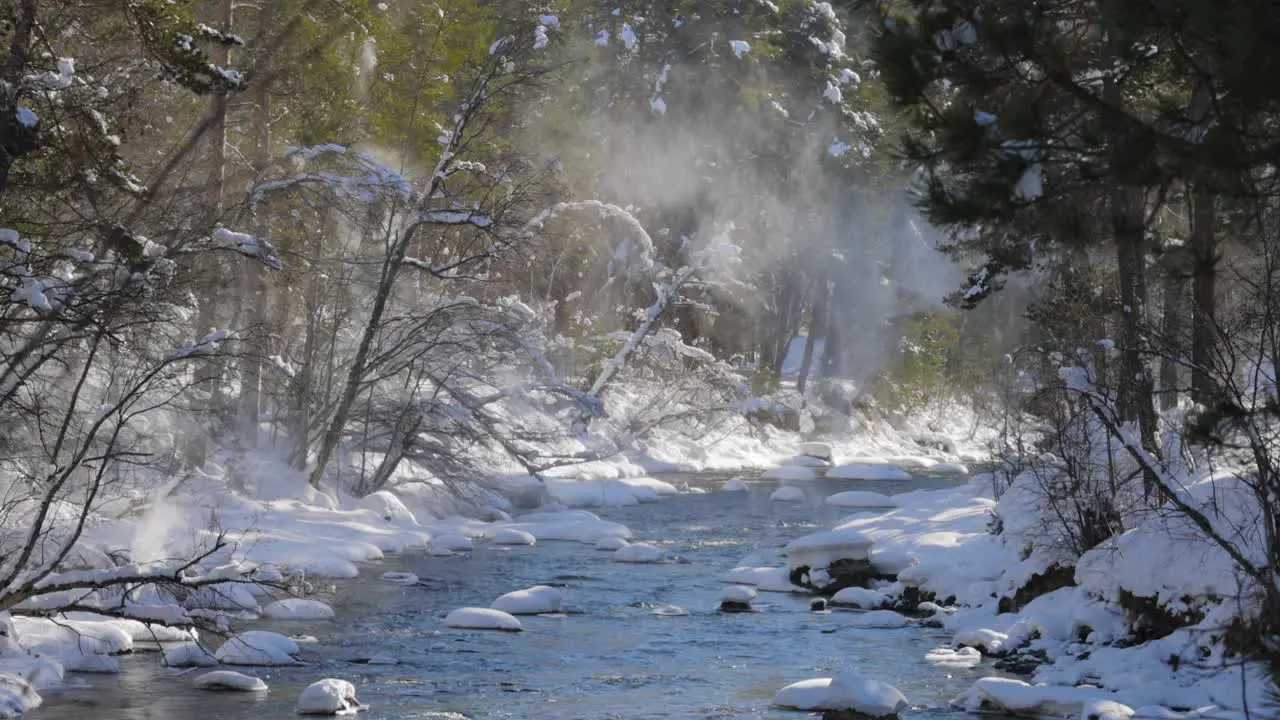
(473, 618)
(861, 499)
(611, 543)
(188, 655)
(258, 647)
(511, 536)
(849, 690)
(451, 542)
(789, 473)
(298, 609)
(743, 594)
(868, 471)
(530, 601)
(860, 598)
(660, 487)
(329, 697)
(879, 620)
(965, 657)
(388, 507)
(1015, 697)
(229, 680)
(734, 485)
(638, 553)
(788, 493)
(400, 578)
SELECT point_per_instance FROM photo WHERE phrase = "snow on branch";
(209, 343)
(247, 245)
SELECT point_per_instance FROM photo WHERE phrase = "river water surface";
(609, 658)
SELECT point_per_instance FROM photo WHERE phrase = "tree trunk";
(1204, 277)
(1172, 352)
(1128, 208)
(817, 324)
(254, 290)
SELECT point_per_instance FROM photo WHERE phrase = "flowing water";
(608, 657)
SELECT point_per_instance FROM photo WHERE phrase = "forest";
(434, 264)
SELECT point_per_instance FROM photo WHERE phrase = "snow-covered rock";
(985, 639)
(791, 473)
(1015, 697)
(787, 493)
(451, 542)
(258, 647)
(1106, 710)
(818, 450)
(821, 549)
(611, 543)
(329, 697)
(740, 594)
(388, 507)
(638, 553)
(571, 526)
(867, 471)
(530, 601)
(473, 618)
(298, 609)
(849, 690)
(878, 619)
(400, 578)
(511, 536)
(860, 598)
(965, 657)
(188, 654)
(861, 499)
(764, 578)
(734, 485)
(17, 695)
(229, 680)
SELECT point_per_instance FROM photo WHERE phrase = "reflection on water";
(610, 657)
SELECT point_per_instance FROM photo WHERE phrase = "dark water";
(610, 658)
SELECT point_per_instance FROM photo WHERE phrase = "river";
(610, 657)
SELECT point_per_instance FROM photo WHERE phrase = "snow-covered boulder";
(451, 542)
(298, 609)
(661, 488)
(638, 553)
(988, 641)
(861, 499)
(1015, 697)
(329, 697)
(188, 655)
(965, 657)
(472, 618)
(764, 578)
(787, 493)
(868, 471)
(860, 598)
(258, 647)
(821, 549)
(819, 450)
(229, 680)
(789, 473)
(511, 536)
(611, 543)
(530, 601)
(734, 485)
(849, 690)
